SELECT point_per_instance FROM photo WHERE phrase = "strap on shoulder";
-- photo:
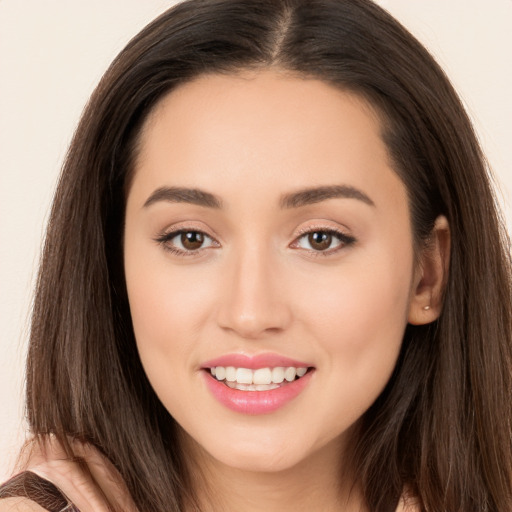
(35, 488)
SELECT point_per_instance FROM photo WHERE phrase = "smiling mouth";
(260, 379)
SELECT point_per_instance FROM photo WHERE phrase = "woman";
(274, 277)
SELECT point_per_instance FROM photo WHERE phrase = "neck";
(319, 482)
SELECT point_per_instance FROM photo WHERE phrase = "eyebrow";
(296, 199)
(318, 194)
(184, 195)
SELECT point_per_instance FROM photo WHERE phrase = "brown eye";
(320, 240)
(186, 242)
(192, 240)
(324, 241)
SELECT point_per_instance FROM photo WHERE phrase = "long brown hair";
(442, 426)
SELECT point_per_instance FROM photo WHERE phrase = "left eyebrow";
(318, 194)
(184, 195)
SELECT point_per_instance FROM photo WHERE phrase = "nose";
(253, 300)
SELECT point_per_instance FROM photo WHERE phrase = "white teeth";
(278, 374)
(290, 373)
(252, 387)
(220, 373)
(262, 376)
(231, 374)
(243, 376)
(265, 387)
(260, 379)
(301, 372)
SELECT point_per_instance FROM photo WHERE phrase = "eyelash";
(344, 239)
(166, 238)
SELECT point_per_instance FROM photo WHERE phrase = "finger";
(106, 476)
(75, 484)
(87, 478)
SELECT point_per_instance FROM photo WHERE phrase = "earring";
(426, 308)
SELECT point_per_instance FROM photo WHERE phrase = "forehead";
(263, 130)
(255, 103)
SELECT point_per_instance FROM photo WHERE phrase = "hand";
(89, 479)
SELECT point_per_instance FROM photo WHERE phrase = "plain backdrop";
(52, 54)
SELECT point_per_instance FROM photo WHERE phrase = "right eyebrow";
(184, 195)
(318, 194)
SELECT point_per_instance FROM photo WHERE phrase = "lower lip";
(256, 402)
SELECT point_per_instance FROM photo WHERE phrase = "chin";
(258, 461)
(258, 450)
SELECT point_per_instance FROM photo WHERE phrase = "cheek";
(165, 330)
(169, 306)
(163, 303)
(360, 297)
(357, 318)
(165, 298)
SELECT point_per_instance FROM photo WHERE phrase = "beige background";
(53, 52)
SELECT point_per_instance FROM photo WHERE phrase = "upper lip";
(253, 362)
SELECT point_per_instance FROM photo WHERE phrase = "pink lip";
(266, 360)
(255, 402)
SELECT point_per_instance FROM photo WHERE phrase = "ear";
(431, 275)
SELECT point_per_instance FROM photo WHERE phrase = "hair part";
(442, 426)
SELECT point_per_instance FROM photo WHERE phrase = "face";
(268, 242)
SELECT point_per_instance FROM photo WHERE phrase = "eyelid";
(167, 235)
(346, 240)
